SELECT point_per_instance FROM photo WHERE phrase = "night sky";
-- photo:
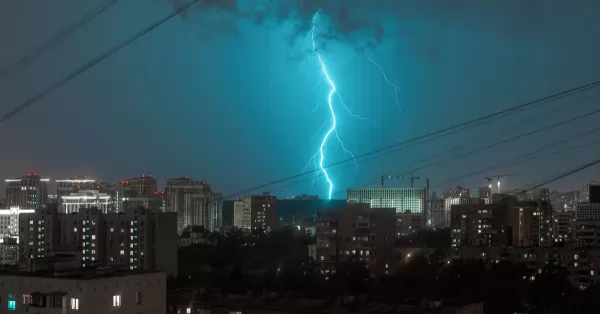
(227, 92)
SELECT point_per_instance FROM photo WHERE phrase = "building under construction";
(402, 199)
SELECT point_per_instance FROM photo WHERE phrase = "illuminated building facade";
(137, 239)
(9, 221)
(72, 185)
(195, 203)
(253, 213)
(403, 200)
(30, 191)
(139, 192)
(75, 201)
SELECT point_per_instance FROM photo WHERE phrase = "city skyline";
(187, 92)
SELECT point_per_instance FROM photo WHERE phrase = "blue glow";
(333, 120)
(388, 82)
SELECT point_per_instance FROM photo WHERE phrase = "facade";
(531, 224)
(139, 192)
(9, 221)
(136, 240)
(401, 199)
(480, 225)
(75, 201)
(443, 220)
(585, 192)
(30, 191)
(360, 232)
(9, 251)
(583, 265)
(253, 213)
(65, 187)
(562, 229)
(89, 293)
(195, 203)
(407, 224)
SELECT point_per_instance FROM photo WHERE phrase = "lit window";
(93, 237)
(74, 304)
(12, 303)
(116, 300)
(188, 310)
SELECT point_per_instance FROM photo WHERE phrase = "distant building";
(401, 199)
(9, 221)
(65, 187)
(195, 203)
(90, 292)
(9, 251)
(30, 191)
(254, 213)
(408, 223)
(531, 223)
(139, 192)
(562, 228)
(358, 231)
(136, 239)
(75, 201)
(585, 192)
(480, 225)
(456, 192)
(306, 197)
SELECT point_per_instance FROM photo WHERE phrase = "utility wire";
(91, 64)
(539, 130)
(56, 39)
(463, 126)
(524, 158)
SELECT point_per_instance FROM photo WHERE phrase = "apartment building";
(142, 191)
(563, 226)
(30, 191)
(89, 292)
(254, 213)
(480, 225)
(360, 232)
(136, 239)
(531, 223)
(195, 203)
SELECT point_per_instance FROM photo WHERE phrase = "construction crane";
(412, 179)
(499, 178)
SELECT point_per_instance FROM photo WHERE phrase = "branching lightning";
(388, 82)
(332, 130)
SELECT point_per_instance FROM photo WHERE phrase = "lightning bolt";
(320, 155)
(388, 82)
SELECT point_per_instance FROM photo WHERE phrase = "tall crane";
(498, 178)
(412, 179)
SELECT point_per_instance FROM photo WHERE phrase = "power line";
(514, 138)
(56, 39)
(586, 87)
(90, 65)
(526, 157)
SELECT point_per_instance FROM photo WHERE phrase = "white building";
(73, 202)
(403, 200)
(242, 214)
(9, 221)
(195, 203)
(89, 293)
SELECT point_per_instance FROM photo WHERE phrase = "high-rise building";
(585, 192)
(195, 203)
(562, 229)
(253, 213)
(480, 225)
(138, 192)
(480, 192)
(9, 221)
(456, 192)
(360, 232)
(531, 223)
(74, 201)
(401, 199)
(75, 184)
(30, 191)
(137, 239)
